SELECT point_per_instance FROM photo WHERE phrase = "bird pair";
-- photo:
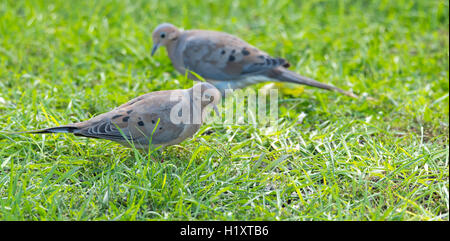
(168, 117)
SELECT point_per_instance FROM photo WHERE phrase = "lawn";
(331, 158)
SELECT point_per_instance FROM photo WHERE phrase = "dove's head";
(206, 94)
(164, 35)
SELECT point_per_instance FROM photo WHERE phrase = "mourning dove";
(224, 60)
(161, 118)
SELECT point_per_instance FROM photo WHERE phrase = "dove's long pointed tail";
(289, 76)
(58, 129)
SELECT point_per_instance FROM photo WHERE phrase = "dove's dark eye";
(163, 35)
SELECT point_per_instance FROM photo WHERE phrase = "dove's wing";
(221, 56)
(140, 120)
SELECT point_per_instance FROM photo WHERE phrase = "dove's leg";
(243, 82)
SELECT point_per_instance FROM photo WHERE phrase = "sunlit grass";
(332, 157)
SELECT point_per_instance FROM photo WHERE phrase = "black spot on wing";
(128, 112)
(245, 52)
(125, 119)
(116, 116)
(141, 123)
(231, 58)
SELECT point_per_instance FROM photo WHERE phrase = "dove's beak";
(155, 47)
(216, 110)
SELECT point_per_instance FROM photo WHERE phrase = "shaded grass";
(344, 159)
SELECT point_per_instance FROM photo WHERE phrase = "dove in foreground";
(161, 118)
(224, 60)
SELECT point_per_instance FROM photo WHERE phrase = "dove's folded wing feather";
(140, 120)
(220, 56)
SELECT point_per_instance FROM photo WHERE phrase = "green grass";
(387, 159)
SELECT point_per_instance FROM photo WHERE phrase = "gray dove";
(224, 60)
(161, 118)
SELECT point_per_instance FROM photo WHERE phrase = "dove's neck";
(172, 46)
(175, 53)
(199, 111)
(195, 107)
